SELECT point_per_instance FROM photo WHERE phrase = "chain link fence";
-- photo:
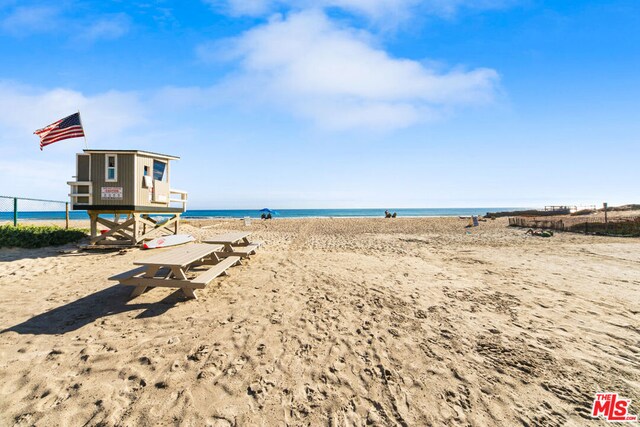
(21, 210)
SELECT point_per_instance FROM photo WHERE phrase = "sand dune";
(333, 322)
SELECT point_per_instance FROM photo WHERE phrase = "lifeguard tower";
(130, 186)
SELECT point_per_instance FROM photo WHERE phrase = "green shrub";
(36, 236)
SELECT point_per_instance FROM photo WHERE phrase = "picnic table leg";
(190, 293)
(180, 274)
(139, 290)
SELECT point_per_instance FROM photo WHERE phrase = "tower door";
(82, 168)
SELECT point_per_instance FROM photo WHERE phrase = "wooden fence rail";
(622, 226)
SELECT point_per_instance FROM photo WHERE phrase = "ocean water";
(282, 213)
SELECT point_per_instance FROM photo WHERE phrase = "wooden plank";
(181, 256)
(241, 251)
(145, 219)
(107, 222)
(108, 247)
(144, 271)
(177, 256)
(249, 249)
(129, 274)
(118, 242)
(119, 235)
(159, 228)
(118, 229)
(215, 271)
(126, 226)
(231, 237)
(161, 283)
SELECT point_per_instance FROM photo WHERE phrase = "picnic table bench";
(235, 243)
(170, 268)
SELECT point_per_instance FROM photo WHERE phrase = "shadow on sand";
(16, 254)
(107, 302)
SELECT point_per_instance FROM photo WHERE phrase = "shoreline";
(256, 218)
(226, 214)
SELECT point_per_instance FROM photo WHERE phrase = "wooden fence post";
(66, 215)
(15, 211)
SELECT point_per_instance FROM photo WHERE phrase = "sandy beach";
(352, 321)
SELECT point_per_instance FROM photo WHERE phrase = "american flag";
(69, 127)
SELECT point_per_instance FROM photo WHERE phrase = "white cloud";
(24, 109)
(308, 65)
(387, 11)
(246, 7)
(27, 20)
(24, 21)
(371, 8)
(449, 7)
(106, 28)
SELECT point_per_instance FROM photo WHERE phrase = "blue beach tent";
(267, 210)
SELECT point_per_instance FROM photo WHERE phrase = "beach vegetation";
(38, 236)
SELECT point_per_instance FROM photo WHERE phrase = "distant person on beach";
(394, 215)
(269, 215)
(263, 216)
(387, 214)
(544, 233)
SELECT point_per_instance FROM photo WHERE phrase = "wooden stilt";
(94, 225)
(136, 228)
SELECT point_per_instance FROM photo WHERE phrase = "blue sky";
(333, 103)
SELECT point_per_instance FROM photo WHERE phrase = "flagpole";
(83, 132)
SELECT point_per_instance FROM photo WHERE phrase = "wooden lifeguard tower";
(131, 186)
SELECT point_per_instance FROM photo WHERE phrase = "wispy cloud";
(24, 108)
(308, 65)
(106, 28)
(24, 21)
(389, 11)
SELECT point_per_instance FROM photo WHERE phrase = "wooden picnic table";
(234, 237)
(169, 269)
(235, 243)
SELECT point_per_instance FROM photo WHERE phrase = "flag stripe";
(64, 136)
(60, 136)
(48, 128)
(57, 132)
(60, 139)
(69, 127)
